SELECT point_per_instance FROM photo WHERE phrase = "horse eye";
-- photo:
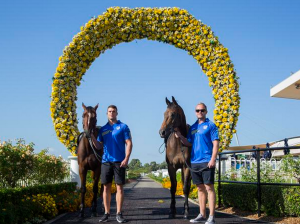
(173, 115)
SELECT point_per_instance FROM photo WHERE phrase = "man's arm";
(212, 162)
(128, 143)
(98, 145)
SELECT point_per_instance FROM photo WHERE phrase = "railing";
(258, 183)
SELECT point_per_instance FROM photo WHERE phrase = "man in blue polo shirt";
(114, 136)
(204, 138)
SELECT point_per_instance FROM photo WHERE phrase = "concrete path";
(147, 202)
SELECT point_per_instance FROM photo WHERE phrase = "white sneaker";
(198, 219)
(210, 220)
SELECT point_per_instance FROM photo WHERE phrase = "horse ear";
(96, 107)
(174, 101)
(168, 102)
(84, 107)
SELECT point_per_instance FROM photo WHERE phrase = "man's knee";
(107, 187)
(120, 187)
(210, 188)
(201, 187)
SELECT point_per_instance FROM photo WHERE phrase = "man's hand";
(124, 163)
(177, 133)
(212, 163)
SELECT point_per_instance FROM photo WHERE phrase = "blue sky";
(263, 42)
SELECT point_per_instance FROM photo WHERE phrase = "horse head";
(173, 118)
(89, 118)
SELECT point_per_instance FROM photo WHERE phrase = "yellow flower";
(76, 59)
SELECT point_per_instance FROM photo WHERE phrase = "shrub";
(20, 167)
(19, 205)
(275, 200)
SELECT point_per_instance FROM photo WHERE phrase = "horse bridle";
(88, 136)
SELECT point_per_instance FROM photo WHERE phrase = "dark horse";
(174, 118)
(89, 158)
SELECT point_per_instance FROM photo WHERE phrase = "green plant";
(19, 205)
(291, 166)
(20, 167)
(16, 163)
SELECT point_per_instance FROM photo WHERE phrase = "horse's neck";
(182, 129)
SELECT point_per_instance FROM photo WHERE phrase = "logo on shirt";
(194, 131)
(106, 132)
(205, 127)
(118, 128)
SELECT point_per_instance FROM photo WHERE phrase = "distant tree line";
(135, 165)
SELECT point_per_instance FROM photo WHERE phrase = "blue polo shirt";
(201, 136)
(113, 138)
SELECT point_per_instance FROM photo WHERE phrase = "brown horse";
(174, 118)
(89, 158)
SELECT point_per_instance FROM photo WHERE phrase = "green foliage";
(19, 166)
(135, 164)
(16, 163)
(133, 175)
(275, 200)
(267, 174)
(240, 196)
(158, 179)
(291, 166)
(48, 168)
(229, 175)
(20, 205)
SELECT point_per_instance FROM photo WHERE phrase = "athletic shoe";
(120, 218)
(210, 220)
(198, 219)
(104, 217)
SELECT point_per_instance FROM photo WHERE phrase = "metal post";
(258, 182)
(286, 150)
(219, 183)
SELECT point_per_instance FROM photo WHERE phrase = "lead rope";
(192, 170)
(165, 144)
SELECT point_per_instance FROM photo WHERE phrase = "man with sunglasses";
(203, 137)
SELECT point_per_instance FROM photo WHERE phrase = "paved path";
(147, 202)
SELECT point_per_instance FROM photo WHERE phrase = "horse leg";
(186, 181)
(96, 177)
(172, 174)
(82, 173)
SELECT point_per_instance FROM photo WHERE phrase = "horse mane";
(182, 127)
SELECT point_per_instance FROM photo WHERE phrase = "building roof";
(288, 88)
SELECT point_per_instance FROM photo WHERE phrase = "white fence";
(231, 164)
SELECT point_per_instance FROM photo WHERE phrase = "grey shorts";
(110, 170)
(207, 176)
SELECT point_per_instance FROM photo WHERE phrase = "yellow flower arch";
(169, 25)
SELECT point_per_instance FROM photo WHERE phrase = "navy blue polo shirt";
(113, 138)
(201, 136)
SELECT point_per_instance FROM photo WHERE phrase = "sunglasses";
(202, 110)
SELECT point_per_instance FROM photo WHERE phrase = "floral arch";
(169, 25)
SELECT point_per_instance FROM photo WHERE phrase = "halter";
(88, 136)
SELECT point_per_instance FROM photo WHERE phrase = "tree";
(135, 164)
(153, 166)
(163, 165)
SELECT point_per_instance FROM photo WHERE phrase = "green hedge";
(14, 209)
(275, 200)
(14, 194)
